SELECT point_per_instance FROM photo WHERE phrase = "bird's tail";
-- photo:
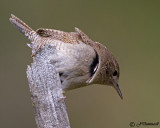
(22, 27)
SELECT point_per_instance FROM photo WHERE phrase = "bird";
(78, 60)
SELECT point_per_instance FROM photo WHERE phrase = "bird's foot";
(39, 47)
(62, 98)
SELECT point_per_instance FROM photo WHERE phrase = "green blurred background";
(130, 29)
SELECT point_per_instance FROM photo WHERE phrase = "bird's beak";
(116, 86)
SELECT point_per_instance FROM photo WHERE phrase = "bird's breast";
(73, 62)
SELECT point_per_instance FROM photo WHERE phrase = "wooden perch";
(46, 91)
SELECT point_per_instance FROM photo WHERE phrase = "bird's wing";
(66, 37)
(83, 37)
(96, 65)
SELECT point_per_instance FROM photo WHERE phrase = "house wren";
(78, 60)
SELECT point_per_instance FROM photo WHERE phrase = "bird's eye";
(115, 73)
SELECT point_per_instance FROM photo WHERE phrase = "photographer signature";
(133, 124)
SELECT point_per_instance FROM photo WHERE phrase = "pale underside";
(72, 62)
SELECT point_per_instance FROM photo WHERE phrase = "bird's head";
(106, 69)
(111, 75)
